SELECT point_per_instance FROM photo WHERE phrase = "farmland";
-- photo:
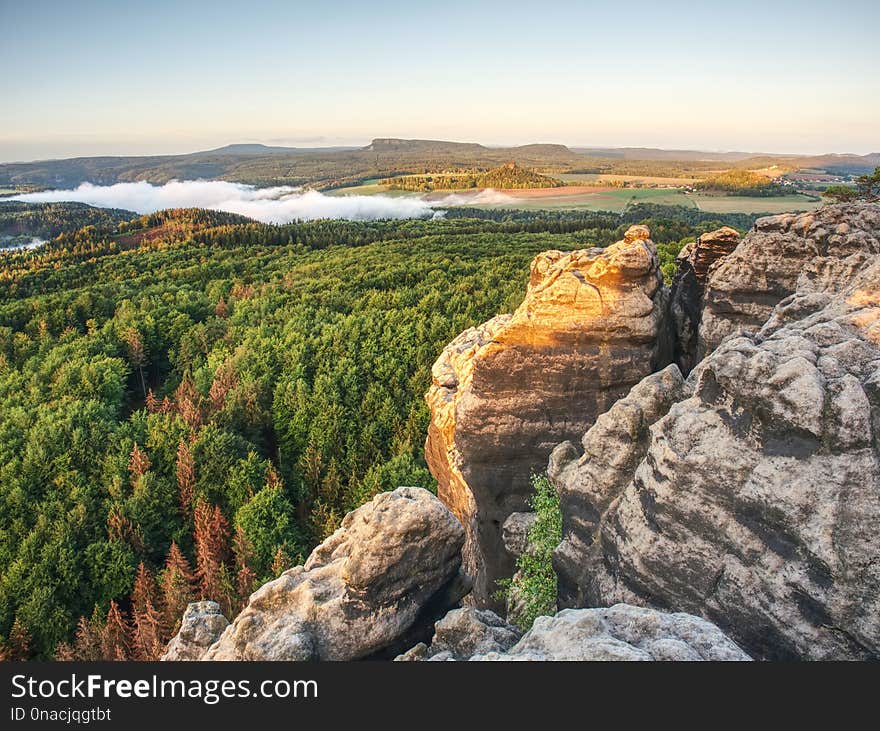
(597, 197)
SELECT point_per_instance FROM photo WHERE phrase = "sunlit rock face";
(506, 392)
(750, 494)
(805, 252)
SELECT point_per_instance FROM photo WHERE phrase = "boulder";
(795, 252)
(202, 625)
(756, 499)
(464, 633)
(621, 632)
(506, 392)
(372, 589)
(515, 533)
(694, 264)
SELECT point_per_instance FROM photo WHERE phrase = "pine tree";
(19, 642)
(137, 353)
(177, 589)
(189, 402)
(280, 562)
(148, 641)
(152, 403)
(186, 477)
(245, 578)
(212, 549)
(138, 463)
(225, 380)
(64, 652)
(87, 640)
(116, 637)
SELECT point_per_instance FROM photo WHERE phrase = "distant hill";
(324, 168)
(258, 149)
(654, 153)
(507, 176)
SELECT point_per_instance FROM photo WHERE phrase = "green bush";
(533, 587)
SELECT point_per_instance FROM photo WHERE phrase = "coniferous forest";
(191, 401)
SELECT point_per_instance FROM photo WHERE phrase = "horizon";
(489, 145)
(165, 79)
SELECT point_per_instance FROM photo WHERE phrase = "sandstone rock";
(202, 625)
(688, 288)
(506, 392)
(590, 484)
(375, 586)
(515, 533)
(819, 251)
(463, 633)
(621, 632)
(757, 501)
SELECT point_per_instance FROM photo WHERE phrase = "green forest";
(191, 401)
(742, 182)
(506, 177)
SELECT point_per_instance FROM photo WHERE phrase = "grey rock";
(621, 632)
(820, 251)
(515, 533)
(463, 633)
(694, 264)
(202, 625)
(757, 501)
(372, 588)
(590, 483)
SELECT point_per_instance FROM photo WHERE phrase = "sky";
(99, 77)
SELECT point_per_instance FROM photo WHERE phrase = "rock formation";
(750, 494)
(506, 392)
(373, 588)
(590, 483)
(689, 286)
(202, 625)
(621, 632)
(783, 254)
(463, 633)
(515, 533)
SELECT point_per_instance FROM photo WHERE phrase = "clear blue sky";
(95, 76)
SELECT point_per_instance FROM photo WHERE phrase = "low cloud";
(281, 204)
(487, 197)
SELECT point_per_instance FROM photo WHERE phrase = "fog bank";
(281, 204)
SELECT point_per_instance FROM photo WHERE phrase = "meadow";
(614, 200)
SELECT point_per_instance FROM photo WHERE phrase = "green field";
(618, 199)
(610, 178)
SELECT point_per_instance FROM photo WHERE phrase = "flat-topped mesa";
(781, 255)
(506, 392)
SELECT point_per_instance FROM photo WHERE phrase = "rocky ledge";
(372, 589)
(621, 632)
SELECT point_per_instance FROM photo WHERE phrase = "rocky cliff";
(505, 393)
(805, 252)
(750, 494)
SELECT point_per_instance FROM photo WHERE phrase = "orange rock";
(506, 392)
